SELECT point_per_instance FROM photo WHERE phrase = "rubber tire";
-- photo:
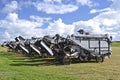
(99, 59)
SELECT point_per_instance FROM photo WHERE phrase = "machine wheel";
(99, 59)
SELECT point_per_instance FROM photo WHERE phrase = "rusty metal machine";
(82, 47)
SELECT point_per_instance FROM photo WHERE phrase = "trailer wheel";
(99, 59)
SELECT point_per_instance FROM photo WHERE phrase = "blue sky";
(42, 17)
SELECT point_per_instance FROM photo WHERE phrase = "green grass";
(116, 44)
(14, 66)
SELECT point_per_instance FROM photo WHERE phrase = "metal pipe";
(99, 47)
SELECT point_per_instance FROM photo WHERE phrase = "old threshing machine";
(82, 47)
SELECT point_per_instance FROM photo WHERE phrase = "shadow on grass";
(33, 61)
(26, 61)
(33, 64)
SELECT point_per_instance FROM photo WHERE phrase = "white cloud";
(60, 6)
(12, 17)
(85, 2)
(49, 6)
(27, 29)
(52, 1)
(108, 21)
(59, 27)
(14, 26)
(55, 8)
(115, 5)
(11, 7)
(99, 11)
(39, 19)
(89, 26)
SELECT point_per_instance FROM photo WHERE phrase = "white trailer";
(92, 46)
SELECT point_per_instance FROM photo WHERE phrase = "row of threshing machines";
(82, 47)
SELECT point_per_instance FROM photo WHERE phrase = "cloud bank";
(107, 21)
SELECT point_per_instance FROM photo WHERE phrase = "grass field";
(116, 44)
(13, 66)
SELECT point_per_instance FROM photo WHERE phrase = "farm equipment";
(82, 47)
